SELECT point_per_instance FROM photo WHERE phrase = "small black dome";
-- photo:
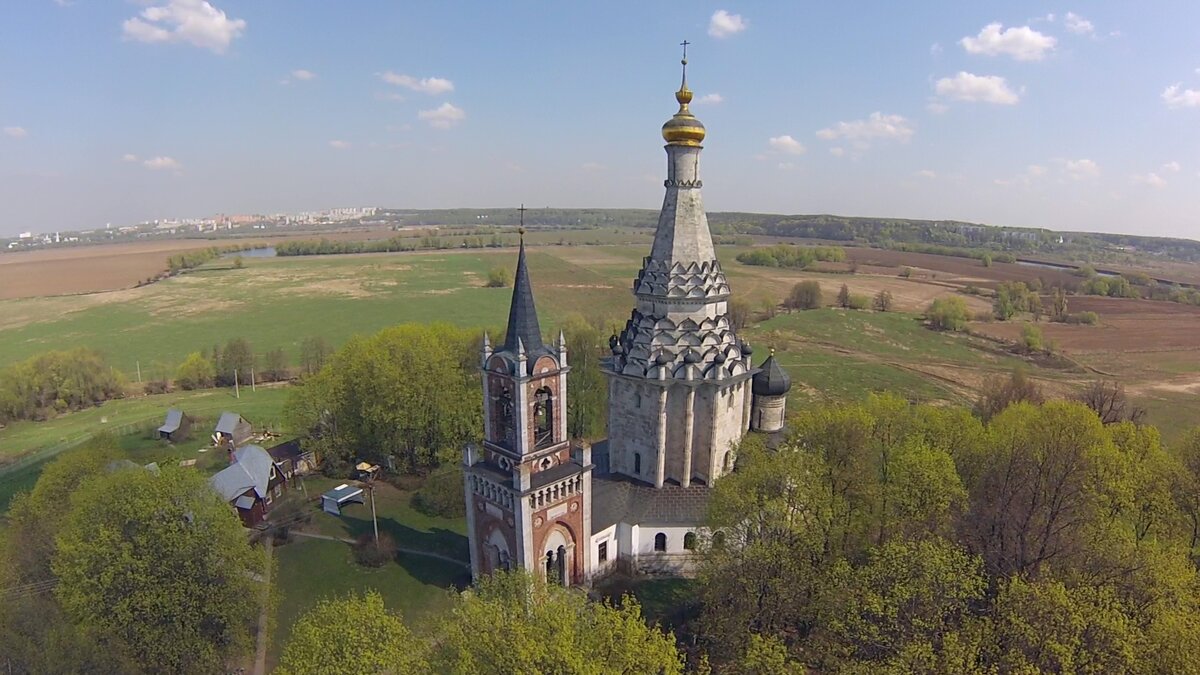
(747, 350)
(720, 357)
(663, 358)
(771, 380)
(691, 357)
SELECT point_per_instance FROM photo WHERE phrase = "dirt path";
(260, 653)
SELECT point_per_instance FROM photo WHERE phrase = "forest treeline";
(56, 382)
(796, 257)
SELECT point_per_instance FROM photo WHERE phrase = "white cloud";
(978, 88)
(786, 144)
(1151, 180)
(162, 164)
(935, 49)
(1023, 43)
(1176, 96)
(837, 151)
(723, 24)
(195, 22)
(785, 166)
(1026, 177)
(15, 132)
(710, 99)
(303, 75)
(388, 96)
(444, 116)
(927, 173)
(339, 145)
(1080, 169)
(425, 85)
(1035, 170)
(1173, 167)
(128, 157)
(877, 126)
(936, 108)
(1078, 25)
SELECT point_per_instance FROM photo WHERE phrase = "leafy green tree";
(1003, 307)
(355, 632)
(275, 366)
(948, 313)
(237, 359)
(999, 392)
(56, 382)
(587, 389)
(765, 656)
(502, 626)
(196, 372)
(904, 598)
(158, 561)
(1049, 476)
(739, 313)
(1031, 338)
(1186, 486)
(843, 297)
(409, 391)
(498, 277)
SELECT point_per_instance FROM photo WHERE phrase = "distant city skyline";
(1067, 117)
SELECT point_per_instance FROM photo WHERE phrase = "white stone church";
(682, 392)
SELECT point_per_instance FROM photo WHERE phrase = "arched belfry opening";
(543, 416)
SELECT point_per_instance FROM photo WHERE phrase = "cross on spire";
(522, 211)
(684, 44)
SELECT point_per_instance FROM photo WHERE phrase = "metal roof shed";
(332, 501)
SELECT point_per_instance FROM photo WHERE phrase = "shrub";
(883, 301)
(1031, 338)
(367, 554)
(948, 314)
(196, 372)
(805, 295)
(497, 277)
(906, 272)
(857, 301)
(442, 493)
(157, 387)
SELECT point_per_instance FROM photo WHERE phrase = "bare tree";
(1107, 399)
(999, 392)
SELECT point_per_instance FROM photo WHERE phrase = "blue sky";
(1082, 116)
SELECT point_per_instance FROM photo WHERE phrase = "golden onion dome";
(683, 128)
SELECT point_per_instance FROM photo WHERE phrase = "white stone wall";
(609, 536)
(768, 412)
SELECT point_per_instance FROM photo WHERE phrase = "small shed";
(292, 459)
(335, 499)
(232, 428)
(176, 426)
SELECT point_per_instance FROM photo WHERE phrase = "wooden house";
(251, 484)
(232, 429)
(176, 426)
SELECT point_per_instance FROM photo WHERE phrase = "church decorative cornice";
(697, 183)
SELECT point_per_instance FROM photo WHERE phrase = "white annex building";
(682, 393)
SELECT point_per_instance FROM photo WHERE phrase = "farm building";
(340, 496)
(292, 459)
(250, 484)
(232, 428)
(176, 426)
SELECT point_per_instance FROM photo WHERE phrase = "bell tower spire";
(522, 314)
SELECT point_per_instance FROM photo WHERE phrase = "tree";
(948, 313)
(804, 295)
(883, 301)
(587, 393)
(56, 382)
(355, 632)
(313, 353)
(408, 391)
(1035, 305)
(999, 392)
(196, 372)
(986, 260)
(1048, 477)
(1031, 338)
(1058, 310)
(843, 297)
(739, 313)
(237, 359)
(500, 626)
(238, 263)
(275, 367)
(1003, 307)
(1107, 399)
(498, 277)
(903, 599)
(159, 561)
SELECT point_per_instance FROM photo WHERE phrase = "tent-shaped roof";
(771, 380)
(228, 422)
(331, 502)
(251, 468)
(173, 421)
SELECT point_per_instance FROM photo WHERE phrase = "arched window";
(727, 461)
(561, 560)
(689, 541)
(660, 541)
(503, 417)
(718, 539)
(551, 568)
(637, 463)
(543, 416)
(637, 399)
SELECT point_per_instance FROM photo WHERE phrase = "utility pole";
(237, 392)
(252, 384)
(139, 369)
(374, 519)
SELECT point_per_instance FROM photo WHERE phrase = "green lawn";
(410, 527)
(308, 570)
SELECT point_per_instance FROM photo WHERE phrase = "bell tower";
(528, 495)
